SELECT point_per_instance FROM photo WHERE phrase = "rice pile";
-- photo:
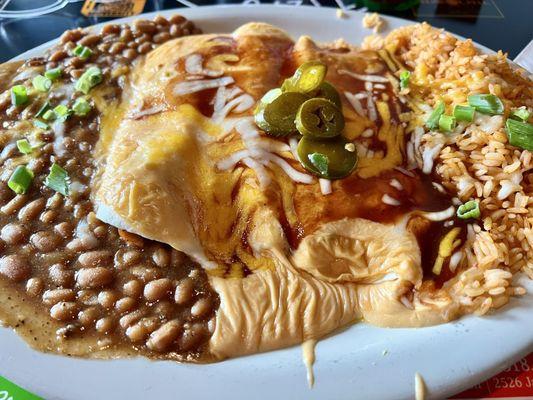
(476, 161)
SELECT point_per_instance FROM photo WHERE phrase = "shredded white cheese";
(440, 215)
(391, 201)
(364, 77)
(355, 103)
(188, 87)
(395, 183)
(325, 186)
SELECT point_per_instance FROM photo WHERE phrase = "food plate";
(361, 362)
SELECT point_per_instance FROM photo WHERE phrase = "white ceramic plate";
(362, 362)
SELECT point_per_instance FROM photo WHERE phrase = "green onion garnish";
(62, 112)
(320, 161)
(19, 95)
(43, 109)
(49, 115)
(520, 134)
(486, 104)
(404, 79)
(464, 113)
(42, 83)
(81, 107)
(469, 210)
(447, 123)
(433, 120)
(57, 179)
(521, 113)
(89, 79)
(82, 52)
(40, 124)
(53, 74)
(24, 146)
(20, 179)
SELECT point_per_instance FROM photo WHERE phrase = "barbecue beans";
(98, 281)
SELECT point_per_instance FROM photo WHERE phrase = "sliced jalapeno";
(307, 77)
(319, 118)
(277, 117)
(329, 159)
(327, 91)
(268, 98)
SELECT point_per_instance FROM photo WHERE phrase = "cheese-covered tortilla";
(188, 167)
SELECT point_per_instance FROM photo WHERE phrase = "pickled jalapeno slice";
(319, 118)
(307, 77)
(329, 159)
(277, 117)
(327, 91)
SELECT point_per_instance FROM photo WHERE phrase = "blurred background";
(497, 24)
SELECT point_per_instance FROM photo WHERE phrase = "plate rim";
(442, 389)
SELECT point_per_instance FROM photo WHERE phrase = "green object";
(387, 5)
(89, 79)
(82, 52)
(24, 146)
(319, 118)
(277, 117)
(520, 134)
(447, 123)
(20, 179)
(433, 120)
(307, 77)
(486, 104)
(43, 109)
(49, 115)
(464, 113)
(329, 159)
(53, 74)
(10, 391)
(320, 161)
(57, 179)
(327, 91)
(469, 210)
(81, 107)
(521, 113)
(40, 124)
(62, 112)
(404, 79)
(19, 95)
(41, 83)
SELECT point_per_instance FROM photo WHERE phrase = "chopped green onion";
(53, 74)
(57, 179)
(404, 79)
(82, 52)
(520, 134)
(447, 123)
(19, 95)
(486, 104)
(43, 109)
(62, 112)
(433, 120)
(24, 146)
(464, 113)
(521, 113)
(89, 79)
(20, 179)
(49, 115)
(41, 83)
(469, 210)
(320, 161)
(40, 124)
(81, 107)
